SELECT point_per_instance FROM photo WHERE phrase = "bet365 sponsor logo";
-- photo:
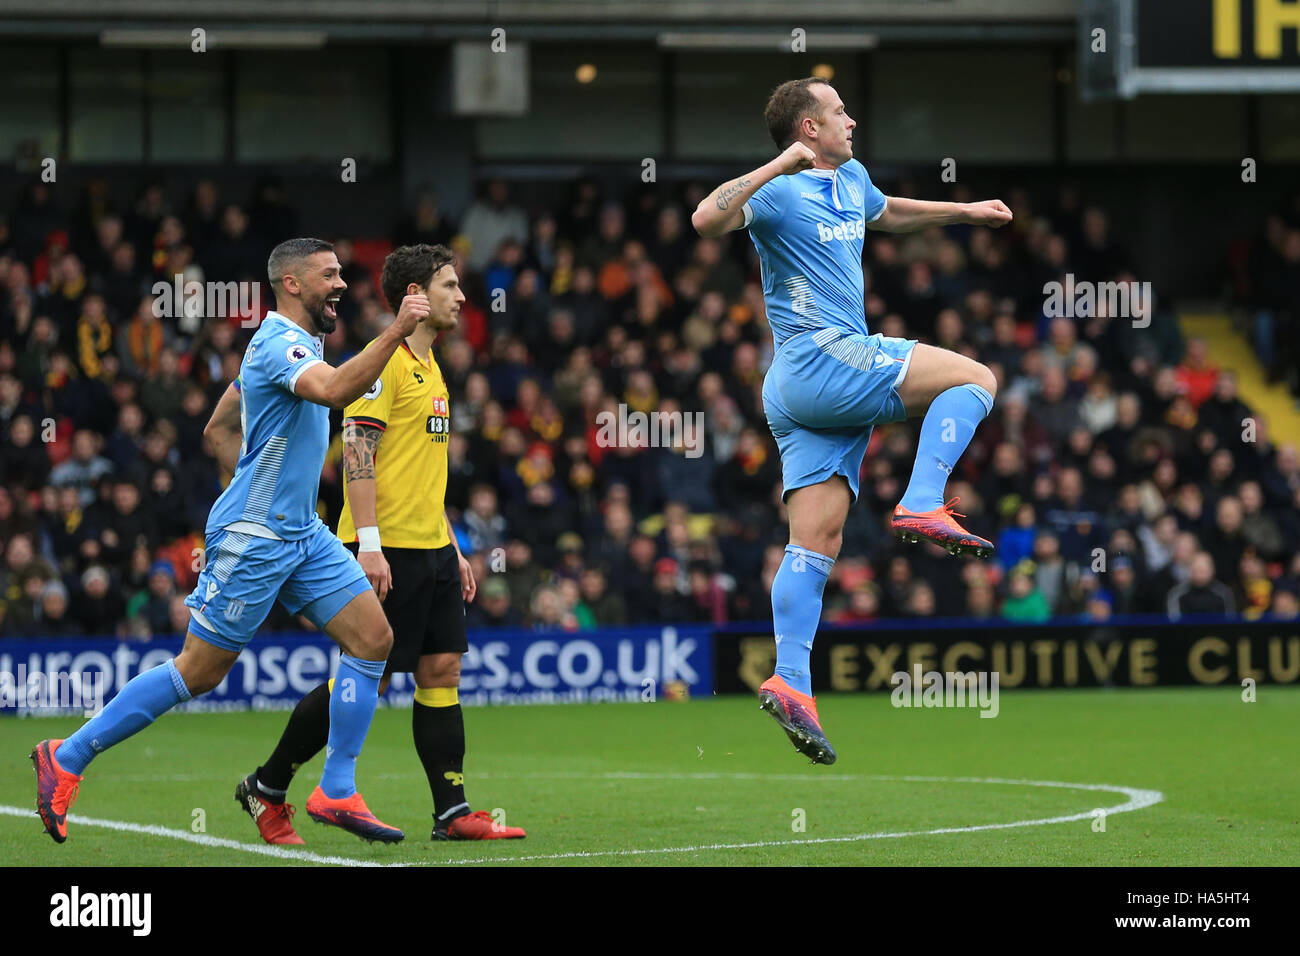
(133, 911)
(843, 231)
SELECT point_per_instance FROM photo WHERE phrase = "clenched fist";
(991, 212)
(414, 309)
(795, 158)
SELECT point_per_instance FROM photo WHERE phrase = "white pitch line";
(202, 839)
(1137, 800)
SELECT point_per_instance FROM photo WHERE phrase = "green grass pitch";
(715, 782)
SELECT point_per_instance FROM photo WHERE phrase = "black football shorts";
(424, 607)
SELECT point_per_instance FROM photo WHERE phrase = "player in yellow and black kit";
(393, 520)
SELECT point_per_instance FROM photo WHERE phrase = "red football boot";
(272, 819)
(478, 825)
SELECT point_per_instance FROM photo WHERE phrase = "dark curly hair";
(789, 103)
(407, 264)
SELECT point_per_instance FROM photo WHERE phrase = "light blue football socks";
(352, 707)
(947, 429)
(796, 611)
(144, 699)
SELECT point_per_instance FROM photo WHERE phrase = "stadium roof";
(540, 19)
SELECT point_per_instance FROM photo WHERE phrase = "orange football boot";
(938, 526)
(56, 789)
(351, 814)
(797, 715)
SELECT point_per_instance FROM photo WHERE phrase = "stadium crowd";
(1119, 472)
(1264, 279)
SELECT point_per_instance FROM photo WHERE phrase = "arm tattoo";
(728, 193)
(360, 443)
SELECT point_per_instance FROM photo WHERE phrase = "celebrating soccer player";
(831, 381)
(265, 540)
(393, 513)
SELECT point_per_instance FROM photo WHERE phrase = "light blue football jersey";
(273, 493)
(808, 229)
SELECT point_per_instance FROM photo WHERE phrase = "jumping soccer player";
(831, 381)
(393, 513)
(264, 540)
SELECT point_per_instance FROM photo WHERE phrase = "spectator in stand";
(160, 393)
(1055, 410)
(235, 254)
(124, 282)
(1053, 575)
(25, 608)
(1175, 570)
(1258, 528)
(178, 615)
(1024, 602)
(1124, 589)
(1252, 593)
(669, 602)
(1286, 604)
(24, 461)
(150, 610)
(125, 525)
(493, 607)
(94, 335)
(599, 606)
(97, 607)
(549, 611)
(981, 602)
(1017, 541)
(141, 342)
(53, 619)
(83, 470)
(34, 363)
(66, 529)
(1200, 593)
(425, 224)
(1197, 375)
(1099, 607)
(1226, 541)
(491, 220)
(483, 522)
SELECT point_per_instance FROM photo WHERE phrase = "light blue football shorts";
(314, 576)
(825, 391)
